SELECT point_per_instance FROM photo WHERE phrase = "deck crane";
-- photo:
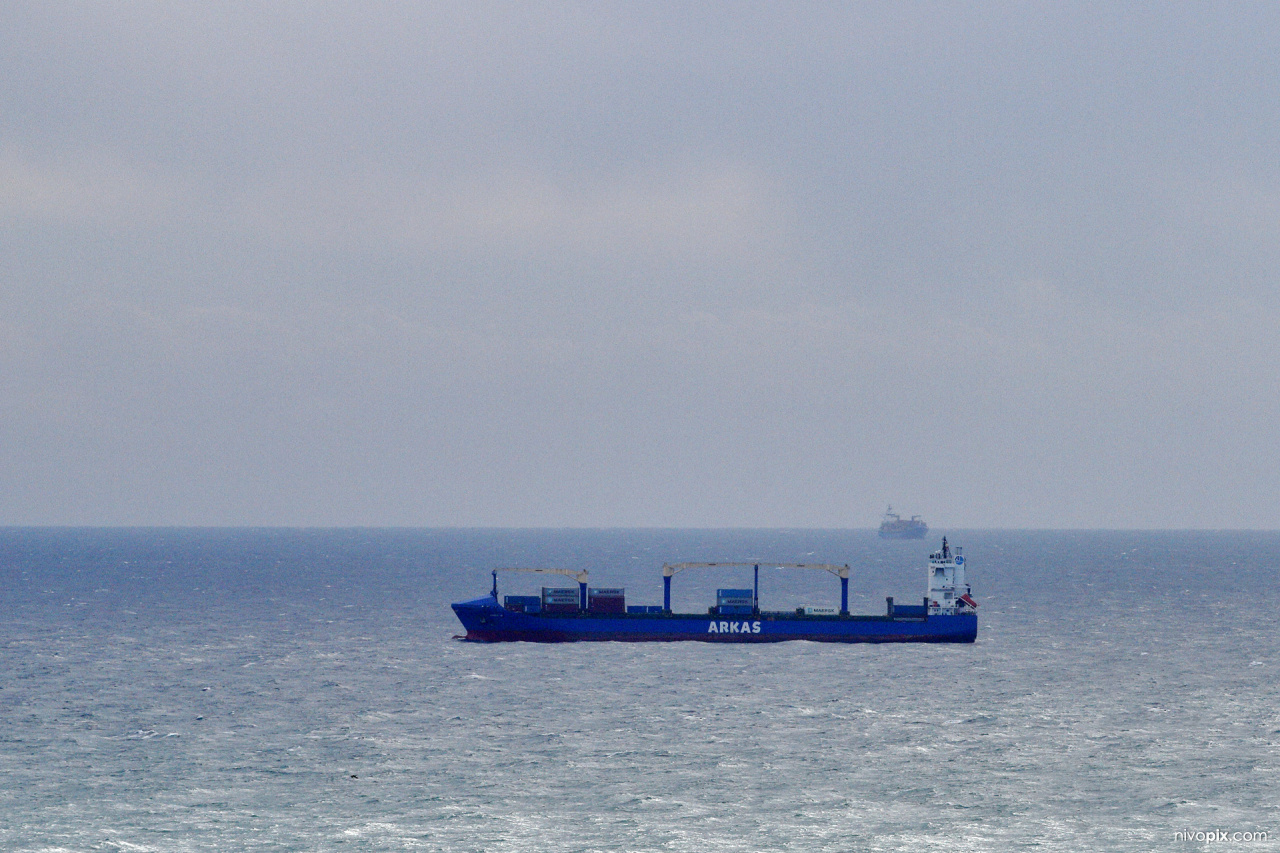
(581, 578)
(669, 570)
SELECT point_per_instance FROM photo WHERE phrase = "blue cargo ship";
(947, 614)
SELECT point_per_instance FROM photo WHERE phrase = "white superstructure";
(948, 589)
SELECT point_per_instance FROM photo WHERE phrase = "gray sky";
(1003, 265)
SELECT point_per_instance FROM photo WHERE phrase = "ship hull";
(904, 533)
(486, 621)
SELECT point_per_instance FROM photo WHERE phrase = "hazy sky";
(712, 264)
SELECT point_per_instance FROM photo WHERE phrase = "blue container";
(735, 598)
(553, 607)
(735, 609)
(522, 603)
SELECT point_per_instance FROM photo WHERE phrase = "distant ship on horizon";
(895, 527)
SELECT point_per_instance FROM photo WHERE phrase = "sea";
(304, 690)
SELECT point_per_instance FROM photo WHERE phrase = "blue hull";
(487, 621)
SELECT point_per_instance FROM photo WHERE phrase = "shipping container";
(559, 595)
(558, 607)
(734, 609)
(820, 611)
(522, 603)
(610, 600)
(735, 593)
(607, 605)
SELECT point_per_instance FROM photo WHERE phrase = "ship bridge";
(948, 588)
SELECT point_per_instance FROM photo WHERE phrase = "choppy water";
(176, 690)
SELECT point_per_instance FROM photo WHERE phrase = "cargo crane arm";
(670, 569)
(580, 577)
